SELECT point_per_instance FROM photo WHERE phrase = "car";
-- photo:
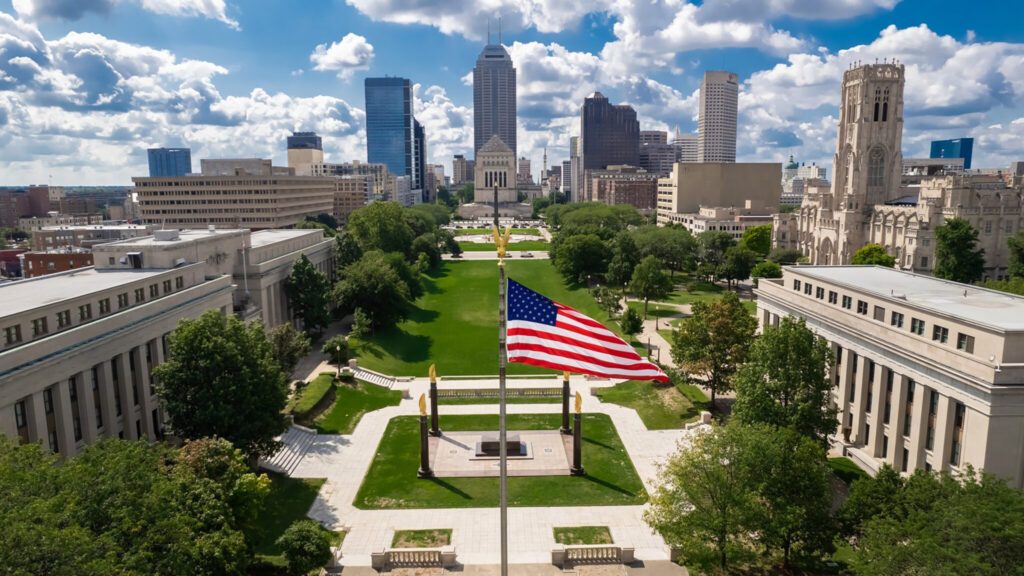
(525, 255)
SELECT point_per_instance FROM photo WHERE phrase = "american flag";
(544, 333)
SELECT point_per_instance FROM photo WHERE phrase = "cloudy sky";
(87, 85)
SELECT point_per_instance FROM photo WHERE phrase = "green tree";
(381, 226)
(426, 245)
(631, 323)
(785, 256)
(410, 277)
(221, 379)
(873, 255)
(758, 239)
(539, 204)
(607, 299)
(581, 256)
(336, 348)
(957, 256)
(465, 194)
(766, 269)
(714, 341)
(712, 246)
(440, 215)
(1016, 245)
(737, 264)
(346, 249)
(785, 381)
(315, 225)
(649, 282)
(869, 498)
(705, 499)
(289, 346)
(372, 286)
(625, 257)
(305, 546)
(308, 294)
(361, 324)
(1014, 285)
(673, 245)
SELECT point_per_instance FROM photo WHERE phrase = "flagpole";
(502, 359)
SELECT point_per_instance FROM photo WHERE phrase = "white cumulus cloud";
(349, 54)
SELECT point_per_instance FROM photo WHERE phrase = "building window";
(154, 290)
(904, 461)
(20, 420)
(796, 285)
(988, 226)
(167, 286)
(896, 320)
(924, 261)
(847, 302)
(839, 355)
(12, 335)
(832, 297)
(888, 395)
(940, 334)
(885, 446)
(965, 343)
(39, 327)
(97, 404)
(85, 312)
(179, 283)
(807, 289)
(48, 401)
(862, 307)
(122, 300)
(959, 414)
(63, 319)
(933, 410)
(105, 306)
(909, 411)
(879, 313)
(917, 326)
(140, 295)
(876, 168)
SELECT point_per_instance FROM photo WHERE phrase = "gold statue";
(423, 404)
(433, 374)
(501, 242)
(579, 403)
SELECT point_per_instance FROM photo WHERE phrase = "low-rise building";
(352, 193)
(733, 220)
(37, 223)
(54, 237)
(383, 181)
(35, 264)
(928, 374)
(755, 186)
(625, 185)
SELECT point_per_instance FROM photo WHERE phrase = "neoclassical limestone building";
(495, 168)
(866, 203)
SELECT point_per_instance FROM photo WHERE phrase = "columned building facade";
(927, 373)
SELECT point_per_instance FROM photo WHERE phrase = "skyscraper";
(304, 150)
(719, 92)
(419, 160)
(959, 148)
(389, 124)
(686, 147)
(169, 162)
(494, 98)
(609, 135)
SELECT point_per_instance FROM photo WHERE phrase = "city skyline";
(86, 95)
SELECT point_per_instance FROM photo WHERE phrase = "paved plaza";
(454, 454)
(343, 460)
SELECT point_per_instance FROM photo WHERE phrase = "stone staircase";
(373, 377)
(296, 442)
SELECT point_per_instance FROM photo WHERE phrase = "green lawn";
(422, 538)
(654, 310)
(289, 500)
(846, 470)
(520, 231)
(455, 323)
(351, 401)
(391, 481)
(660, 407)
(528, 245)
(309, 395)
(581, 535)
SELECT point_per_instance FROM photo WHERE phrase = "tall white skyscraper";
(686, 147)
(494, 98)
(718, 100)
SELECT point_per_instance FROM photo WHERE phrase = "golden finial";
(433, 374)
(579, 403)
(423, 404)
(501, 242)
(565, 375)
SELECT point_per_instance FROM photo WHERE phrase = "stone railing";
(413, 557)
(566, 556)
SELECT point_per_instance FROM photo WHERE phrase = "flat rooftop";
(969, 303)
(184, 237)
(267, 237)
(98, 227)
(24, 295)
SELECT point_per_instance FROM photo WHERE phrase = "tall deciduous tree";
(766, 269)
(649, 282)
(222, 379)
(1016, 245)
(346, 249)
(957, 256)
(309, 295)
(873, 255)
(372, 286)
(625, 257)
(712, 246)
(607, 299)
(580, 256)
(631, 323)
(305, 546)
(289, 346)
(381, 226)
(714, 341)
(785, 381)
(737, 265)
(758, 239)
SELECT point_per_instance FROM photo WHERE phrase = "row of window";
(41, 325)
(940, 334)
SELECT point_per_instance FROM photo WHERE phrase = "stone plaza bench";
(443, 557)
(567, 556)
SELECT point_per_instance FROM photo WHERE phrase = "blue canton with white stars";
(525, 304)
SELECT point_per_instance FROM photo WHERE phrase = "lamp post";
(337, 359)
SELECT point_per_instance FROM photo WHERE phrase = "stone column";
(897, 418)
(146, 398)
(128, 412)
(845, 378)
(565, 429)
(943, 434)
(577, 446)
(108, 405)
(877, 411)
(424, 471)
(63, 418)
(86, 405)
(918, 427)
(36, 415)
(158, 359)
(9, 424)
(859, 405)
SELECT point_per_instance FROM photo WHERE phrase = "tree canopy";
(221, 379)
(758, 239)
(625, 257)
(873, 255)
(382, 226)
(766, 269)
(957, 256)
(373, 286)
(1016, 246)
(649, 282)
(308, 293)
(580, 256)
(289, 346)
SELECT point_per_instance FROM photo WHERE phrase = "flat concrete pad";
(454, 455)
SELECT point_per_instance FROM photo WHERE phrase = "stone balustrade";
(413, 558)
(566, 556)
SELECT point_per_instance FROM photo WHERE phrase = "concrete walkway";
(344, 461)
(485, 255)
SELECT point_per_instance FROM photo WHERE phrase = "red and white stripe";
(579, 344)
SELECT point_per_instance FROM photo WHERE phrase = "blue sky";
(87, 85)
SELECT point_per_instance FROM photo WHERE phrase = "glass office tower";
(389, 124)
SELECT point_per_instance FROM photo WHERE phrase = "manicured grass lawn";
(307, 397)
(577, 535)
(473, 231)
(289, 500)
(351, 401)
(509, 400)
(846, 470)
(422, 538)
(455, 323)
(528, 245)
(391, 481)
(654, 310)
(660, 407)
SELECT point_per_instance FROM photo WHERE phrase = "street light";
(337, 358)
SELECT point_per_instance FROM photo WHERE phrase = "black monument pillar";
(424, 471)
(565, 404)
(577, 446)
(435, 429)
